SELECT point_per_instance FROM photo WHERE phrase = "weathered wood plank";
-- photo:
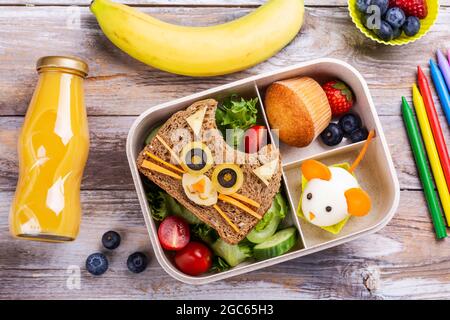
(401, 261)
(228, 3)
(119, 85)
(107, 166)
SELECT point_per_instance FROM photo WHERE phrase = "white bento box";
(376, 173)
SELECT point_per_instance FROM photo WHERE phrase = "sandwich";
(225, 188)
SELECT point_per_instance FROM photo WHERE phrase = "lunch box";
(376, 173)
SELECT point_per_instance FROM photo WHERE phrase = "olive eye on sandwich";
(227, 178)
(196, 158)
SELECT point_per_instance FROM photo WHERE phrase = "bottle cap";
(72, 63)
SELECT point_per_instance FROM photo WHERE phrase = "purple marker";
(445, 67)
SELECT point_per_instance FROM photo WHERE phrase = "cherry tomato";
(255, 138)
(173, 233)
(194, 259)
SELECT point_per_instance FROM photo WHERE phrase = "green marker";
(424, 171)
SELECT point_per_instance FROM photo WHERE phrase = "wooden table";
(401, 261)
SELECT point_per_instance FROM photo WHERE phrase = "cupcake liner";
(314, 99)
(425, 24)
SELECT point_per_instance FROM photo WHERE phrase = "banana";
(201, 51)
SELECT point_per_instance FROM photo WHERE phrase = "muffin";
(299, 109)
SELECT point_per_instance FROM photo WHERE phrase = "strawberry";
(417, 8)
(339, 96)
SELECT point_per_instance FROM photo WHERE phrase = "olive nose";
(311, 216)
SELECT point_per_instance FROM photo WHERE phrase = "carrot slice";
(225, 217)
(362, 152)
(245, 199)
(241, 206)
(153, 166)
(156, 158)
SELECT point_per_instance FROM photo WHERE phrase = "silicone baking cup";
(433, 9)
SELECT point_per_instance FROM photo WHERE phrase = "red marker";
(434, 123)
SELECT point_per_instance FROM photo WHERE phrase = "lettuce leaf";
(219, 265)
(283, 205)
(204, 232)
(232, 254)
(158, 204)
(162, 204)
(236, 115)
(279, 208)
(178, 210)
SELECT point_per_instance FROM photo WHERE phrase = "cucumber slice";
(278, 244)
(262, 235)
(269, 223)
(152, 134)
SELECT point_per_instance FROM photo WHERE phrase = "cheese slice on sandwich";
(195, 121)
(266, 171)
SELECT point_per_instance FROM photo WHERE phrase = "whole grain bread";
(252, 188)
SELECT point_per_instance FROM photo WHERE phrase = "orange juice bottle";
(53, 148)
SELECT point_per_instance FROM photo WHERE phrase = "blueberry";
(385, 32)
(382, 4)
(359, 134)
(362, 5)
(395, 17)
(411, 26)
(111, 240)
(397, 32)
(349, 123)
(332, 135)
(137, 262)
(97, 264)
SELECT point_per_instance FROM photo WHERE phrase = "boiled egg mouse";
(331, 194)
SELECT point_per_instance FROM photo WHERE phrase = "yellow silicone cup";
(425, 24)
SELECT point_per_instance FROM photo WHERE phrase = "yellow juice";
(53, 148)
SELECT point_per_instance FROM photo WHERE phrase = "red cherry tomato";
(173, 233)
(194, 259)
(255, 138)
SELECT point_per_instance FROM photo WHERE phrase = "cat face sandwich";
(225, 188)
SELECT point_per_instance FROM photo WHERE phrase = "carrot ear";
(358, 202)
(313, 169)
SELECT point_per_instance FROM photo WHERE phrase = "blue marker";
(441, 89)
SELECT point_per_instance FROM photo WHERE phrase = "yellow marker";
(432, 153)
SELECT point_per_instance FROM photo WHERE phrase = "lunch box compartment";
(158, 116)
(372, 177)
(321, 73)
(291, 218)
(376, 173)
